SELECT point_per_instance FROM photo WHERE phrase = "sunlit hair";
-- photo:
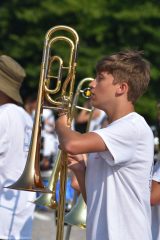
(129, 67)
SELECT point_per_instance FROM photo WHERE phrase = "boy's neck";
(119, 113)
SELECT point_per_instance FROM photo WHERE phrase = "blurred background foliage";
(104, 27)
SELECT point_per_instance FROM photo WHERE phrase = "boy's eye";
(99, 78)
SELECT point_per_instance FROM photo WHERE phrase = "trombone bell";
(77, 215)
(30, 180)
(49, 200)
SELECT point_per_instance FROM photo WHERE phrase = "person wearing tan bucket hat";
(11, 78)
(15, 133)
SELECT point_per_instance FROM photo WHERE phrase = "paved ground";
(44, 227)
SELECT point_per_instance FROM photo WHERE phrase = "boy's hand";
(77, 162)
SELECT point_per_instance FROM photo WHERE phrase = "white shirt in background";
(16, 209)
(156, 209)
(50, 146)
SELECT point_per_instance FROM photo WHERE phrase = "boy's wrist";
(80, 168)
(61, 114)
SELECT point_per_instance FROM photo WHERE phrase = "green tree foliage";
(104, 26)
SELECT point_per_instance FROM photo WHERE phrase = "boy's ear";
(122, 88)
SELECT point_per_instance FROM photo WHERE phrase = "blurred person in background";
(155, 201)
(155, 187)
(30, 102)
(16, 209)
(156, 143)
(83, 117)
(50, 140)
(158, 119)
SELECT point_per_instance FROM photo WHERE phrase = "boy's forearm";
(65, 135)
(80, 175)
(64, 132)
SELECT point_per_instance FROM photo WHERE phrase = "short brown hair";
(129, 67)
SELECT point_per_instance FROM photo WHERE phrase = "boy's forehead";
(103, 72)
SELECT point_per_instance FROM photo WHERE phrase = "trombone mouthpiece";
(87, 93)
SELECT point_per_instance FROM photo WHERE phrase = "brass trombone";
(86, 93)
(78, 213)
(47, 199)
(30, 179)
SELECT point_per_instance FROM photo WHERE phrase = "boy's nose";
(92, 83)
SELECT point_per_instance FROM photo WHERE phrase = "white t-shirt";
(118, 182)
(156, 209)
(16, 209)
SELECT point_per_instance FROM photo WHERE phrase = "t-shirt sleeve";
(120, 139)
(156, 172)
